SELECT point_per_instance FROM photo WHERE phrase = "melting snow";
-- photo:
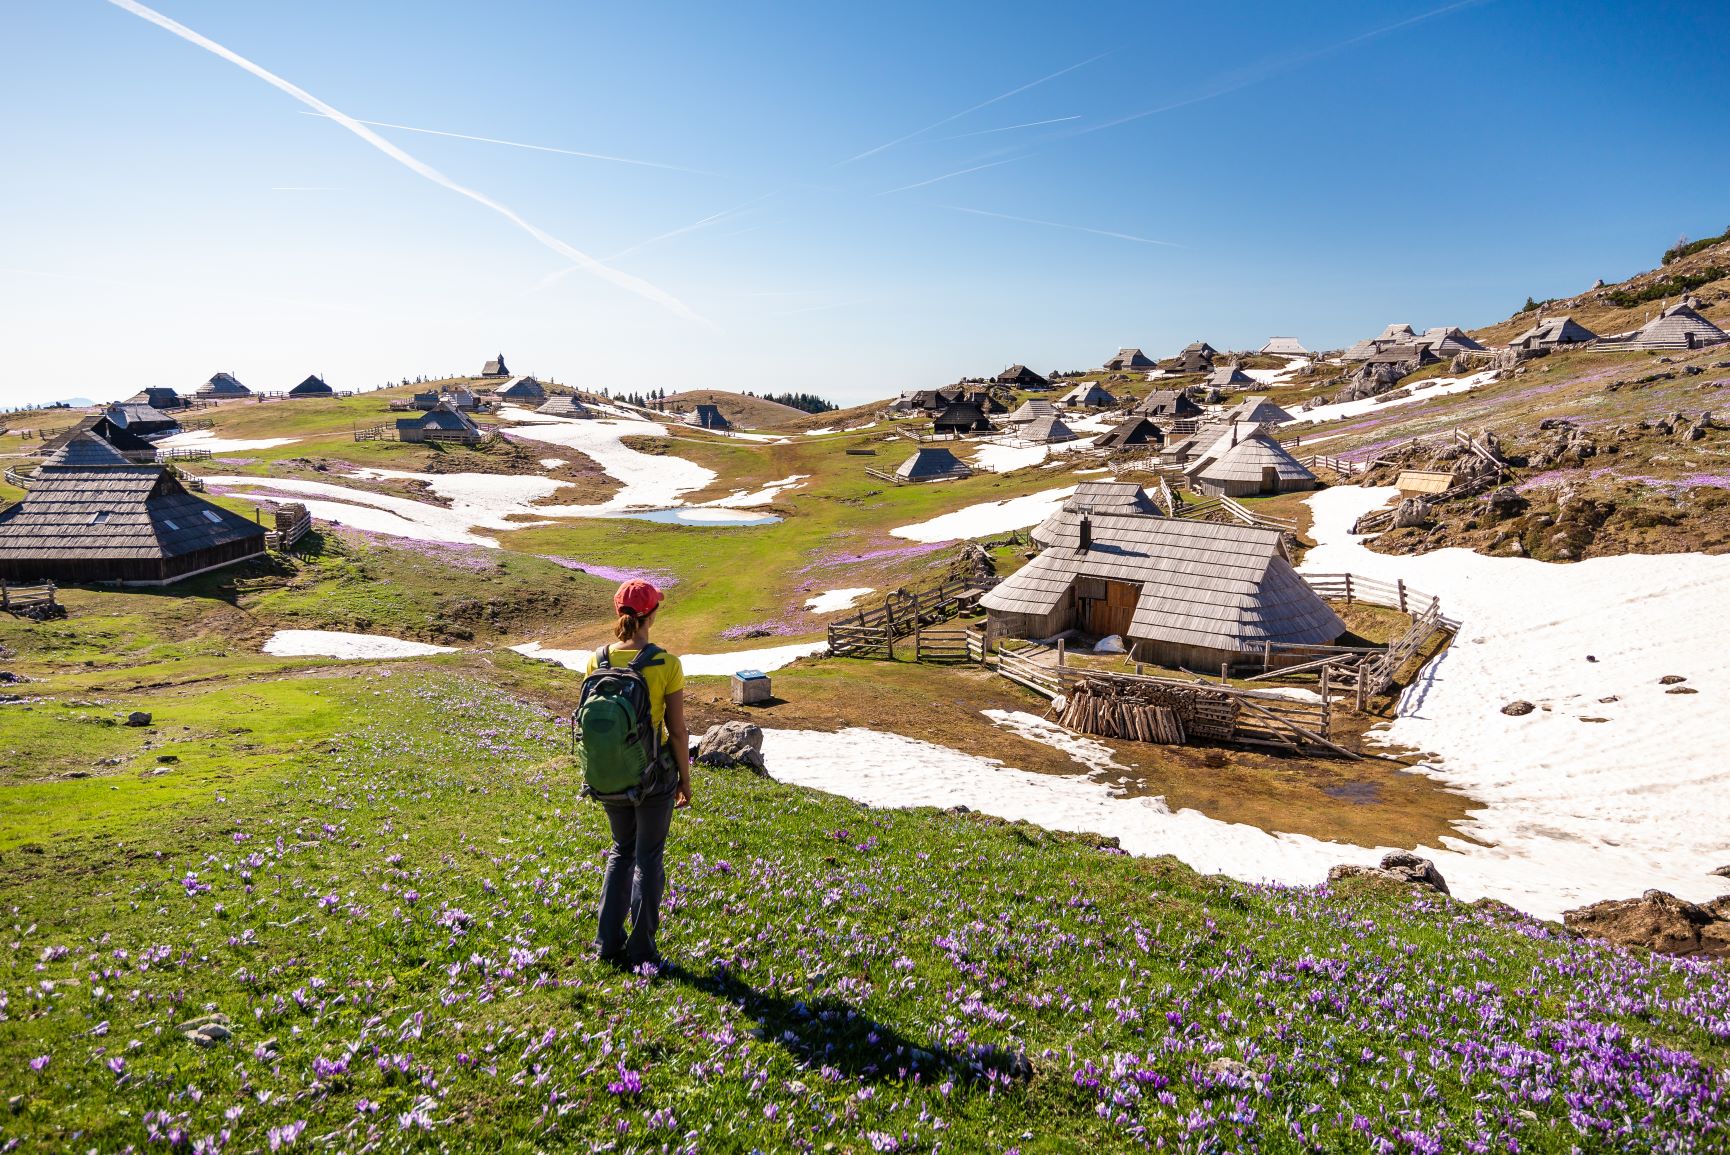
(207, 439)
(832, 600)
(650, 481)
(741, 499)
(1423, 391)
(1081, 749)
(336, 644)
(988, 517)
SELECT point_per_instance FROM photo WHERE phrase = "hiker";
(640, 775)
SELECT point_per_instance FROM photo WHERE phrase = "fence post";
(1402, 587)
(1060, 652)
(1266, 656)
(1224, 673)
(1348, 589)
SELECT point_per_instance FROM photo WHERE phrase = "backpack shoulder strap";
(603, 659)
(649, 655)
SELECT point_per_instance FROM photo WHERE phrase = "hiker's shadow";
(829, 1032)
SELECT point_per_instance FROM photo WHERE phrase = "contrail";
(576, 256)
(945, 176)
(1007, 128)
(535, 147)
(966, 111)
(1061, 225)
(1257, 74)
(560, 274)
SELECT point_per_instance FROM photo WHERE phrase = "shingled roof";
(143, 420)
(224, 385)
(1129, 358)
(933, 464)
(1089, 395)
(1030, 409)
(1555, 331)
(962, 417)
(1244, 462)
(1678, 327)
(1228, 377)
(1168, 403)
(129, 445)
(313, 386)
(565, 405)
(1133, 431)
(90, 514)
(1256, 409)
(1285, 347)
(1204, 584)
(1046, 431)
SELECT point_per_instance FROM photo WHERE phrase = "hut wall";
(1000, 624)
(1201, 659)
(129, 570)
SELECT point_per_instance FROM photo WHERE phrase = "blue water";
(701, 517)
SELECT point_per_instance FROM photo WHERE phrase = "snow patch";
(337, 644)
(1096, 756)
(988, 517)
(1423, 391)
(207, 439)
(831, 600)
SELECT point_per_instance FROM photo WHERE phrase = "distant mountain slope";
(745, 412)
(1612, 309)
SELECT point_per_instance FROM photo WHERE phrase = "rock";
(1671, 679)
(1409, 867)
(138, 718)
(1412, 513)
(1354, 870)
(1518, 709)
(1721, 872)
(206, 1030)
(15, 1104)
(168, 758)
(1681, 690)
(733, 744)
(1656, 920)
(1232, 1067)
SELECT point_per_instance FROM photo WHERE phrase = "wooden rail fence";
(873, 633)
(20, 599)
(18, 479)
(183, 454)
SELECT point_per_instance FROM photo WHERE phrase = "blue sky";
(847, 199)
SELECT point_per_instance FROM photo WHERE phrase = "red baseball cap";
(638, 596)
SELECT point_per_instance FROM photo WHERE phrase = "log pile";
(1136, 714)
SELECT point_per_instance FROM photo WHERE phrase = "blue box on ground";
(750, 688)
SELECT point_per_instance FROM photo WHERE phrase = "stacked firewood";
(1139, 714)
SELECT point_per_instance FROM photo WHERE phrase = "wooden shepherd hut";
(1228, 377)
(1032, 409)
(128, 444)
(313, 386)
(933, 463)
(141, 420)
(440, 423)
(1284, 347)
(1247, 462)
(1129, 359)
(522, 391)
(1130, 432)
(1256, 409)
(960, 418)
(223, 385)
(1021, 377)
(158, 397)
(1554, 333)
(1678, 327)
(1447, 341)
(1045, 431)
(565, 405)
(90, 515)
(1117, 498)
(1196, 357)
(707, 416)
(1088, 395)
(495, 367)
(1180, 592)
(1168, 405)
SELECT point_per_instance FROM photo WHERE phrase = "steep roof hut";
(929, 401)
(1129, 358)
(1228, 377)
(961, 417)
(158, 397)
(1448, 341)
(1183, 592)
(90, 515)
(1118, 498)
(933, 464)
(1046, 431)
(424, 401)
(1256, 409)
(441, 423)
(1397, 334)
(313, 386)
(1021, 377)
(1133, 431)
(1031, 409)
(1403, 358)
(1196, 357)
(1088, 395)
(1678, 327)
(495, 367)
(707, 416)
(524, 389)
(1554, 333)
(123, 441)
(1284, 347)
(457, 397)
(1361, 350)
(141, 420)
(1169, 405)
(565, 406)
(223, 385)
(1246, 464)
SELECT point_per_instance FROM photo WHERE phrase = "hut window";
(99, 518)
(210, 515)
(168, 521)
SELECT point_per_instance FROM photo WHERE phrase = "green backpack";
(619, 745)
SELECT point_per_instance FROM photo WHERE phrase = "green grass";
(389, 901)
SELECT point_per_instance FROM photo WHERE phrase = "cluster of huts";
(1680, 326)
(1178, 591)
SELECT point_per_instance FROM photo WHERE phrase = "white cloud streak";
(576, 256)
(1258, 73)
(533, 147)
(969, 111)
(1007, 128)
(1062, 225)
(945, 176)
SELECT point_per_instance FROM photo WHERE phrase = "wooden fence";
(376, 433)
(290, 528)
(18, 479)
(182, 454)
(873, 633)
(17, 599)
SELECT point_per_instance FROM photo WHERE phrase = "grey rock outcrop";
(1397, 866)
(732, 744)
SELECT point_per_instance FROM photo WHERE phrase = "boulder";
(1657, 920)
(1671, 679)
(1409, 867)
(1412, 513)
(732, 744)
(138, 718)
(1518, 709)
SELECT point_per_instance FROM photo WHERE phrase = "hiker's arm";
(679, 734)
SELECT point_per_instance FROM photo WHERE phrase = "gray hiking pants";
(635, 880)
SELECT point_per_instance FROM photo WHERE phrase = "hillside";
(1705, 274)
(744, 412)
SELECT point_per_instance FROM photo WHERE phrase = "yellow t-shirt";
(663, 676)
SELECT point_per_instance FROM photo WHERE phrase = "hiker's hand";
(682, 796)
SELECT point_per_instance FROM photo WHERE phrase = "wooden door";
(1112, 613)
